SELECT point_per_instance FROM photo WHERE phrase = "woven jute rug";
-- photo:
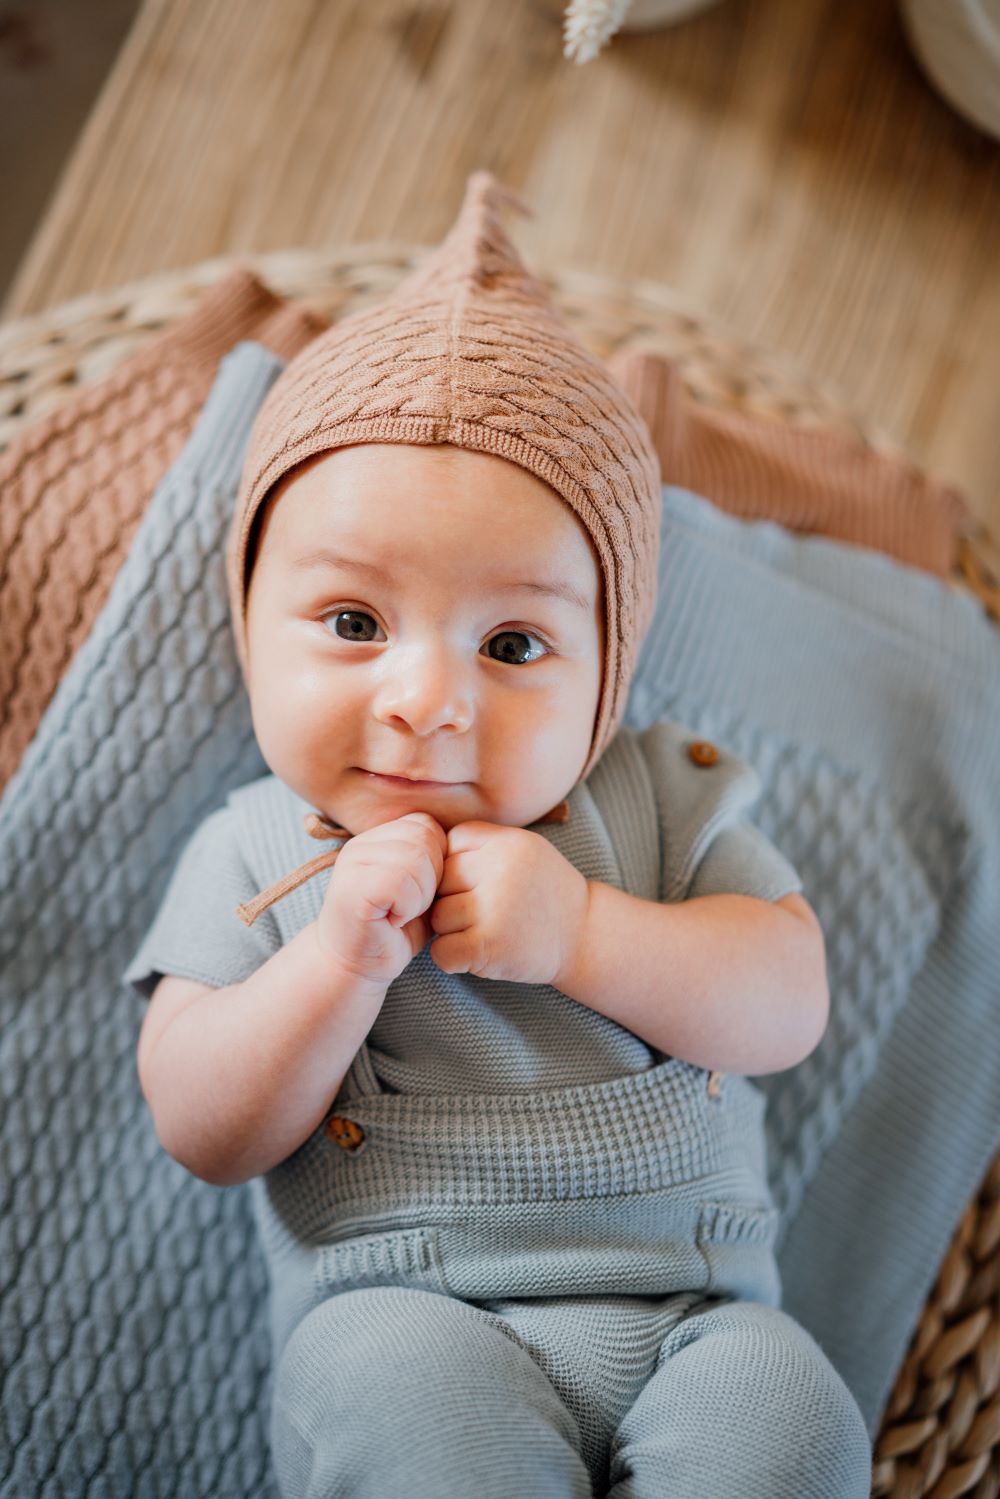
(940, 1435)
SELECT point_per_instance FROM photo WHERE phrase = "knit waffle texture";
(133, 1318)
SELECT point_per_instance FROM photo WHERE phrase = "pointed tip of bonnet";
(477, 251)
(485, 194)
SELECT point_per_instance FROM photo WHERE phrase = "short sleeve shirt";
(440, 1032)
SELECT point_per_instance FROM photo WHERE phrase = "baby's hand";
(509, 906)
(372, 921)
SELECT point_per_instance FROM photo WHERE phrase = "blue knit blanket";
(133, 1332)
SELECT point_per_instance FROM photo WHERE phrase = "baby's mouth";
(407, 783)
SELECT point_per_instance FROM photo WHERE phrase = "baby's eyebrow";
(556, 588)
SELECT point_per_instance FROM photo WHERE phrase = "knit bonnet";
(469, 350)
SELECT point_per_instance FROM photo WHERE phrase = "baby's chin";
(358, 800)
(371, 801)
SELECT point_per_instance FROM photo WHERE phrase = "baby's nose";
(427, 693)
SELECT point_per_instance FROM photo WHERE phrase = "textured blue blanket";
(133, 1339)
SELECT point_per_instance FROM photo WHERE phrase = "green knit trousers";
(392, 1391)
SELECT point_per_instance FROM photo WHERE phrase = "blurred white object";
(589, 24)
(957, 42)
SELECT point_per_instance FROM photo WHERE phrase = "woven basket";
(941, 1432)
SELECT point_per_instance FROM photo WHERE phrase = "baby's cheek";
(284, 731)
(270, 709)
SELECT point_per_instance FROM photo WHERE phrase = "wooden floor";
(782, 163)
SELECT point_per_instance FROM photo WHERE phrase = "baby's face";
(395, 628)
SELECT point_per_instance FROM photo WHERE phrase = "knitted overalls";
(523, 1254)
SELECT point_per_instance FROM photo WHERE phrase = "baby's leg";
(393, 1391)
(744, 1403)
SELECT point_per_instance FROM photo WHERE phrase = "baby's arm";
(728, 982)
(236, 1078)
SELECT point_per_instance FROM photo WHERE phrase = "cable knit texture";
(76, 485)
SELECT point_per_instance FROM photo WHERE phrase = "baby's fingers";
(414, 884)
(453, 913)
(429, 835)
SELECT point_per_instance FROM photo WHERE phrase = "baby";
(488, 1081)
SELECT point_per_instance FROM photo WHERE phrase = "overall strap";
(635, 811)
(623, 793)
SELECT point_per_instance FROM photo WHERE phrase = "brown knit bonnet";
(469, 350)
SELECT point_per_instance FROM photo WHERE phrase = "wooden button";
(703, 753)
(344, 1132)
(715, 1084)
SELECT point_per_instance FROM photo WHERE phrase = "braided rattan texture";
(940, 1436)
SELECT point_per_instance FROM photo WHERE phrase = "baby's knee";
(357, 1345)
(744, 1397)
(361, 1381)
(804, 1419)
(811, 1411)
(387, 1386)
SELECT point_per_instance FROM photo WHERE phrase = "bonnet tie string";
(317, 826)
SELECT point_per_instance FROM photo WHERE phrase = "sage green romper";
(530, 1255)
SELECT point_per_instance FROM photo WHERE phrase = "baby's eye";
(358, 621)
(510, 649)
(358, 624)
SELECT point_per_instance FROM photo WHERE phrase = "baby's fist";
(509, 906)
(372, 922)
